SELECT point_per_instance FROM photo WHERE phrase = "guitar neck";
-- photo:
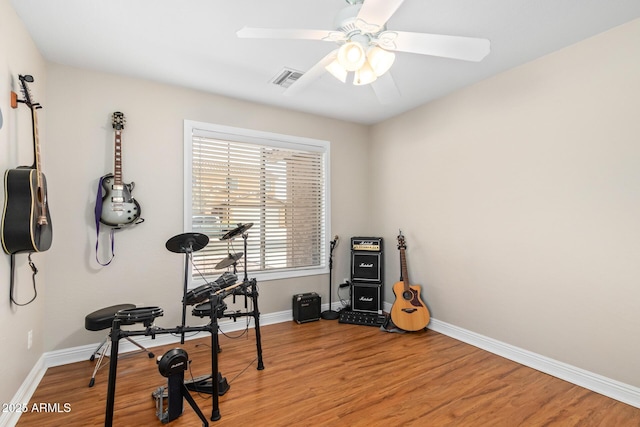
(37, 165)
(117, 166)
(403, 268)
(36, 143)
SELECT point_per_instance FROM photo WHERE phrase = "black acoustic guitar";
(26, 221)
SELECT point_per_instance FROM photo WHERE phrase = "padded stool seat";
(103, 318)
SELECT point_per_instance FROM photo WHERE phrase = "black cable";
(207, 396)
(202, 276)
(345, 303)
(33, 278)
(243, 371)
(179, 334)
(196, 267)
(245, 331)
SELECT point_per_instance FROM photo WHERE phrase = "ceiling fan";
(366, 48)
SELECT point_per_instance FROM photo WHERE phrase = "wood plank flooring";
(326, 373)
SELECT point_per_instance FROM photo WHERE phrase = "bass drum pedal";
(172, 365)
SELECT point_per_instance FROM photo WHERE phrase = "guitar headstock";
(401, 243)
(26, 92)
(118, 120)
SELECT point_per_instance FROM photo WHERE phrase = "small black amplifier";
(306, 307)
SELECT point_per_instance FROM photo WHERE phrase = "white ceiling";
(193, 43)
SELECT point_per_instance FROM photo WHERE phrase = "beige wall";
(520, 201)
(144, 272)
(18, 55)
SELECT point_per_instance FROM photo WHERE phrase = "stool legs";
(92, 381)
(149, 353)
(103, 349)
(97, 350)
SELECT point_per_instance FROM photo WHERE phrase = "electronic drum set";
(208, 301)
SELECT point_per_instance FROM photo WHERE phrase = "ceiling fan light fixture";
(365, 75)
(352, 56)
(337, 70)
(380, 60)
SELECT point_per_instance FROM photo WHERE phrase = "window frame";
(263, 138)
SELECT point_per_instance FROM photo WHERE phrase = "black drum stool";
(103, 319)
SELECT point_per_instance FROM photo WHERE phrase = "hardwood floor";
(326, 373)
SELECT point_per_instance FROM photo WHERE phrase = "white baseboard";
(24, 393)
(606, 386)
(611, 388)
(614, 389)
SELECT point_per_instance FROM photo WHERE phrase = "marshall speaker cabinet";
(366, 297)
(306, 307)
(367, 274)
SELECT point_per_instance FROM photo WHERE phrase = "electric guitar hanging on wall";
(26, 221)
(118, 207)
(408, 311)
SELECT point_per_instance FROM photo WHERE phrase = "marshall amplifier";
(366, 259)
(368, 244)
(306, 307)
(366, 297)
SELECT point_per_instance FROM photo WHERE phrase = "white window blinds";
(276, 182)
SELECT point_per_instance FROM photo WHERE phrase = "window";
(278, 183)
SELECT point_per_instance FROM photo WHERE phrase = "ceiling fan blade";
(385, 89)
(375, 13)
(310, 76)
(465, 48)
(286, 33)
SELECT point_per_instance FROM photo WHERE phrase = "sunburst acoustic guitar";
(408, 312)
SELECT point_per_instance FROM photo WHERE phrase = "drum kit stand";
(209, 302)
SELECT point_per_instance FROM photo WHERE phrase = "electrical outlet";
(29, 339)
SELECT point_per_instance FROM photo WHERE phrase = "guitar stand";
(172, 365)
